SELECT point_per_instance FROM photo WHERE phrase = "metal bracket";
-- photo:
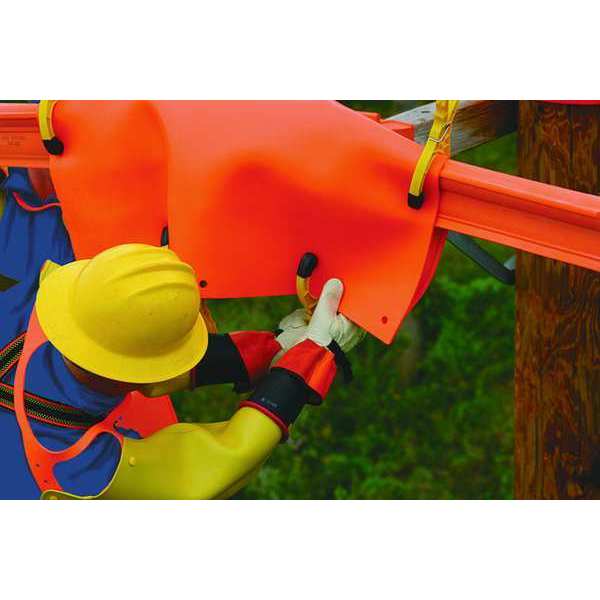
(469, 247)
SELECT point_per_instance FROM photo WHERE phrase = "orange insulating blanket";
(246, 188)
(535, 217)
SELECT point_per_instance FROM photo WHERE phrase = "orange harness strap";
(41, 460)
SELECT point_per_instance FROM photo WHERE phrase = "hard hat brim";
(55, 314)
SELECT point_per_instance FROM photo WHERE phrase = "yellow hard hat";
(131, 314)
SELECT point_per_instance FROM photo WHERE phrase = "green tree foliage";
(427, 417)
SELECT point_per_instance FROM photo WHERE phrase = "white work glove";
(325, 325)
(293, 329)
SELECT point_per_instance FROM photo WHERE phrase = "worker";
(129, 319)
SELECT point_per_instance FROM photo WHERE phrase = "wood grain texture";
(476, 122)
(557, 337)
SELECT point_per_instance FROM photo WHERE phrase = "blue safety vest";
(27, 240)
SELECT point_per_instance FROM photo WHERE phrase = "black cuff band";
(222, 363)
(341, 361)
(283, 394)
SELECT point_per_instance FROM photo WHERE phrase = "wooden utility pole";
(557, 375)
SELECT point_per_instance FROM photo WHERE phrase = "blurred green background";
(429, 417)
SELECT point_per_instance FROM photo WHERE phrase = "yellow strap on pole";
(52, 144)
(438, 141)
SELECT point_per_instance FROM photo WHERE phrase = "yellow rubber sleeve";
(195, 460)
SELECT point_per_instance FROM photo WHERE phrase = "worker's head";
(127, 317)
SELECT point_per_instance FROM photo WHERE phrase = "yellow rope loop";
(305, 269)
(307, 300)
(45, 109)
(438, 141)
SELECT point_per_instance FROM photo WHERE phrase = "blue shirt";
(27, 240)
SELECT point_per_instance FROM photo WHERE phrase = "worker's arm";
(241, 358)
(216, 460)
(194, 460)
(244, 357)
(201, 461)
